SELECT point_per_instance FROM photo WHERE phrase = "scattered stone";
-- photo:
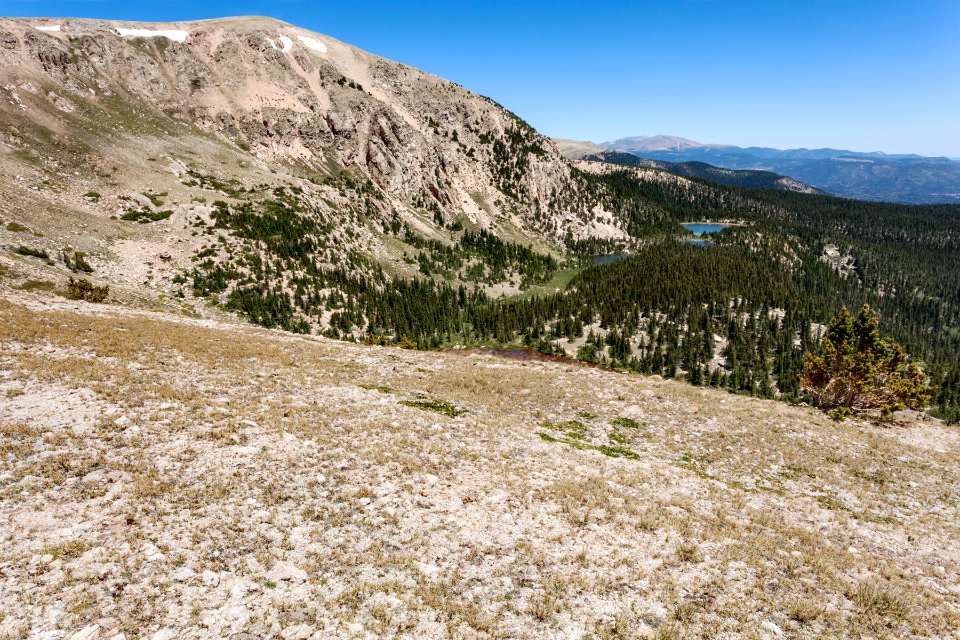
(297, 632)
(182, 574)
(906, 416)
(284, 572)
(91, 632)
(152, 553)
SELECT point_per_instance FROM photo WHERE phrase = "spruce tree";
(859, 371)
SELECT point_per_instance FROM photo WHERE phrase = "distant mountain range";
(907, 178)
(748, 178)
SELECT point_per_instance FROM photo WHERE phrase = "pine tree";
(859, 371)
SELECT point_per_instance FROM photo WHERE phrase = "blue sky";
(865, 75)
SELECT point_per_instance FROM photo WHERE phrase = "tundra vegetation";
(293, 485)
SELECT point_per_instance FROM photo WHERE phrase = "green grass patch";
(68, 550)
(619, 438)
(16, 227)
(37, 285)
(155, 198)
(558, 282)
(381, 389)
(437, 406)
(573, 433)
(617, 452)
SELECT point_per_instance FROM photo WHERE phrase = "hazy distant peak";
(655, 143)
(577, 149)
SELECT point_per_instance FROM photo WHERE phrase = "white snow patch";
(47, 27)
(171, 34)
(310, 43)
(287, 44)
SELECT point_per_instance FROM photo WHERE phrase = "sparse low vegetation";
(24, 250)
(626, 495)
(144, 216)
(37, 285)
(16, 227)
(83, 289)
(437, 406)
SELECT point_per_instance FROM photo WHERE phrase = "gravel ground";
(162, 477)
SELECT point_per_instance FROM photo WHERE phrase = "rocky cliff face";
(290, 100)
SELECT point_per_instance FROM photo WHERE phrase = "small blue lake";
(702, 228)
(610, 259)
(699, 243)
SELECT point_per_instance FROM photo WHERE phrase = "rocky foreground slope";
(163, 478)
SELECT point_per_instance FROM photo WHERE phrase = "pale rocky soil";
(162, 477)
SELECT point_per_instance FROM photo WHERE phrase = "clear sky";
(868, 75)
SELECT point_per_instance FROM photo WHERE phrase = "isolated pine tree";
(859, 371)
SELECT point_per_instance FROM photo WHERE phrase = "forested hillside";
(317, 188)
(750, 178)
(738, 313)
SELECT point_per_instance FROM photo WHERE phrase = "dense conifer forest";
(738, 313)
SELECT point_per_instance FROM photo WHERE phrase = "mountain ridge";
(749, 178)
(873, 175)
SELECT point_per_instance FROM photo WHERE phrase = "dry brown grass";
(744, 512)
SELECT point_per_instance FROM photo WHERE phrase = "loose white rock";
(284, 572)
(91, 632)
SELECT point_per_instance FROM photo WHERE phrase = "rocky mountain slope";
(172, 478)
(286, 95)
(118, 139)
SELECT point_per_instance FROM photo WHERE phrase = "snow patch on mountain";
(47, 27)
(311, 43)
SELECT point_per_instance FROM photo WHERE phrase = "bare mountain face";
(290, 95)
(577, 149)
(118, 139)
